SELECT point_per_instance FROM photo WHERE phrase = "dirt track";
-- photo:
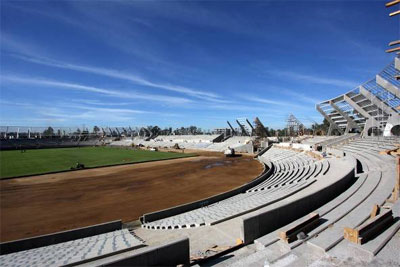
(43, 204)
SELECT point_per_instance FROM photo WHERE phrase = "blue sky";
(184, 63)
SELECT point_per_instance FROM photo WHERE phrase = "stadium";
(237, 195)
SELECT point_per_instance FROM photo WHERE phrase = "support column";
(332, 123)
(351, 124)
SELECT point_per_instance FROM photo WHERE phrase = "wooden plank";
(392, 3)
(351, 234)
(396, 191)
(374, 226)
(304, 225)
(393, 50)
(394, 13)
(374, 212)
(393, 152)
(394, 43)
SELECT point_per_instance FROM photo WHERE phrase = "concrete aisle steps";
(329, 238)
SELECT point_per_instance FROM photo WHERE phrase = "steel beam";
(233, 130)
(350, 123)
(357, 107)
(376, 101)
(242, 127)
(388, 86)
(332, 123)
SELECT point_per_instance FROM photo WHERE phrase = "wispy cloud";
(283, 104)
(102, 91)
(312, 78)
(122, 75)
(301, 97)
(100, 103)
(65, 112)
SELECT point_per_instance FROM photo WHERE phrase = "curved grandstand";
(324, 200)
(328, 200)
(312, 196)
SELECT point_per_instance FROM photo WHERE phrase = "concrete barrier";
(170, 254)
(59, 237)
(263, 151)
(150, 217)
(244, 148)
(277, 215)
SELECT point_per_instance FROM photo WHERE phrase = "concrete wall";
(59, 237)
(149, 217)
(271, 218)
(170, 254)
(244, 148)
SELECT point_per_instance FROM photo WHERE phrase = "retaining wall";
(170, 254)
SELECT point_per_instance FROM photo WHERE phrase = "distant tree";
(96, 129)
(155, 130)
(48, 132)
(321, 129)
(192, 129)
(272, 132)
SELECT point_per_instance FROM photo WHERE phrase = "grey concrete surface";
(75, 251)
(59, 237)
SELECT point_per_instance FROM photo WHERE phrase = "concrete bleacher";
(75, 251)
(69, 247)
(183, 141)
(124, 142)
(199, 142)
(239, 143)
(315, 140)
(373, 184)
(292, 172)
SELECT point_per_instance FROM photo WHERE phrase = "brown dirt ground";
(44, 204)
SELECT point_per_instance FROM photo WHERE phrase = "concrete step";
(335, 204)
(334, 234)
(372, 247)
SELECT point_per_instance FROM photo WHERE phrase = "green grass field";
(37, 161)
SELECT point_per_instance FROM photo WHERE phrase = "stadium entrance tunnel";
(395, 130)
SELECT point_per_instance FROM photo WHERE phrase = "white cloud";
(121, 75)
(312, 78)
(302, 97)
(284, 104)
(102, 91)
